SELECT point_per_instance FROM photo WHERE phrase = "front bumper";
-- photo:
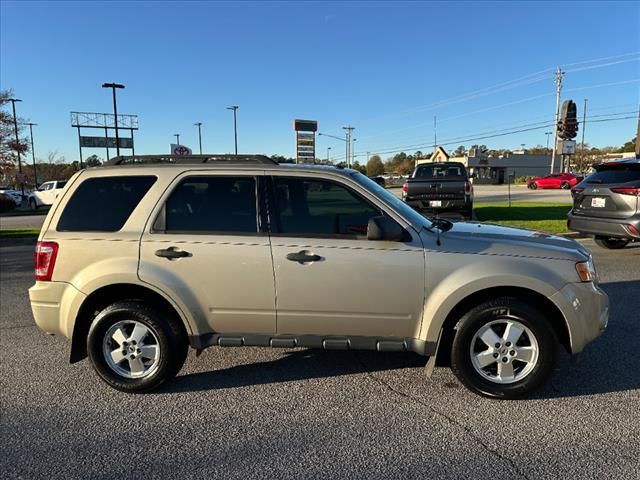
(586, 309)
(606, 227)
(54, 305)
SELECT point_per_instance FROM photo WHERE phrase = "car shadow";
(295, 365)
(610, 364)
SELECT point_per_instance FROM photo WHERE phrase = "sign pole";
(80, 147)
(106, 140)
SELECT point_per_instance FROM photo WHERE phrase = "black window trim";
(159, 225)
(275, 218)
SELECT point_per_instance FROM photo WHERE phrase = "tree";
(93, 161)
(375, 166)
(630, 146)
(406, 167)
(459, 152)
(8, 145)
(360, 168)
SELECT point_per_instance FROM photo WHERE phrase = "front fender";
(462, 275)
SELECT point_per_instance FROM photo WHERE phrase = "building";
(495, 170)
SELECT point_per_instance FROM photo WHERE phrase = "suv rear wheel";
(612, 243)
(504, 348)
(135, 349)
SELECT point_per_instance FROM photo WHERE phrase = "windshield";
(402, 208)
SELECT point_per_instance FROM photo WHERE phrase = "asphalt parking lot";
(262, 413)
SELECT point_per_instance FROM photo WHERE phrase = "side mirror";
(383, 228)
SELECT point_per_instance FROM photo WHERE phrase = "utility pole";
(177, 135)
(199, 124)
(328, 157)
(559, 77)
(347, 135)
(15, 126)
(33, 155)
(638, 136)
(353, 151)
(113, 87)
(547, 134)
(584, 123)
(435, 134)
(235, 126)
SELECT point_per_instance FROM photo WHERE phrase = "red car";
(556, 180)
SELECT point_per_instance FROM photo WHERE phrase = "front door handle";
(303, 256)
(172, 253)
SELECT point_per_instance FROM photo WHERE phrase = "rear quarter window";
(621, 174)
(441, 171)
(103, 204)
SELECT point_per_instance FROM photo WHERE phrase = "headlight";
(586, 270)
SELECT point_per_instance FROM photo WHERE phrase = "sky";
(386, 68)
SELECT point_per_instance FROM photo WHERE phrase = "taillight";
(468, 188)
(633, 230)
(635, 191)
(405, 188)
(45, 259)
(577, 190)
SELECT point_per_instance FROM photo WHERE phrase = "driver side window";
(310, 207)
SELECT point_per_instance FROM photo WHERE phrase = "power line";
(461, 140)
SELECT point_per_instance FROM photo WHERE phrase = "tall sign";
(103, 122)
(305, 140)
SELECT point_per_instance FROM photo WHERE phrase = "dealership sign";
(105, 142)
(305, 140)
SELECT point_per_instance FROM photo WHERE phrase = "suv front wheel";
(135, 349)
(504, 348)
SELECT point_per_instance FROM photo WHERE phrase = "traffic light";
(568, 124)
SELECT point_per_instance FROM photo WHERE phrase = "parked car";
(606, 204)
(135, 263)
(46, 194)
(14, 195)
(556, 180)
(439, 187)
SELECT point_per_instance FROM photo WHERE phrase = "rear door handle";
(303, 256)
(172, 253)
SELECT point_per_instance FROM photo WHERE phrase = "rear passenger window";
(103, 204)
(213, 205)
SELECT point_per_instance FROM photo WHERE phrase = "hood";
(474, 237)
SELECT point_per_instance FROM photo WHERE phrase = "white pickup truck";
(46, 194)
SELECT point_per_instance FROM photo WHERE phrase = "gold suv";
(144, 257)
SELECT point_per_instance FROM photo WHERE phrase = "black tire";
(171, 339)
(611, 243)
(533, 185)
(33, 204)
(507, 309)
(564, 185)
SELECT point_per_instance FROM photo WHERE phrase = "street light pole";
(177, 135)
(584, 123)
(235, 126)
(199, 124)
(33, 155)
(15, 126)
(113, 87)
(328, 157)
(547, 134)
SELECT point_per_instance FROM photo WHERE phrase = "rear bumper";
(54, 305)
(603, 226)
(456, 205)
(586, 310)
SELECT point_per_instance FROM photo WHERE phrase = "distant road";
(519, 193)
(482, 193)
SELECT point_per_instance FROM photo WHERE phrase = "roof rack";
(224, 159)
